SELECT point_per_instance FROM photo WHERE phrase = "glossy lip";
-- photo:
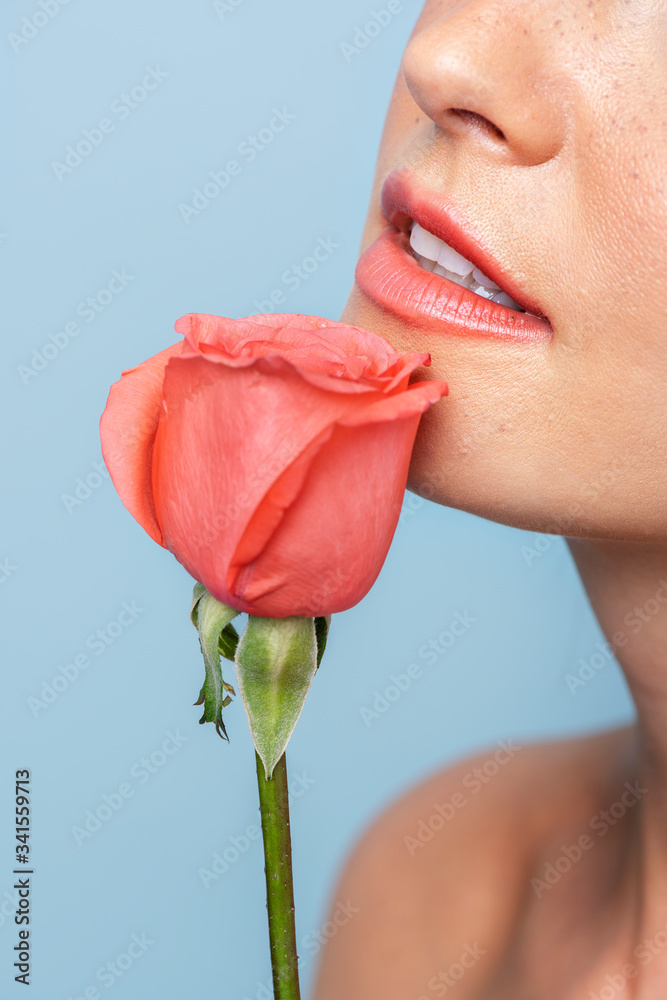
(388, 273)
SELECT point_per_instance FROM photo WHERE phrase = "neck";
(627, 587)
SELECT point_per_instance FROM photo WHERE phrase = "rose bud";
(269, 455)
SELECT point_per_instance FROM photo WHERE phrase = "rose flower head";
(269, 455)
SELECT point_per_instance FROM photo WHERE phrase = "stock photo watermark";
(140, 773)
(410, 505)
(634, 620)
(473, 782)
(9, 905)
(248, 150)
(84, 488)
(98, 643)
(445, 980)
(113, 970)
(601, 823)
(35, 22)
(645, 953)
(223, 7)
(263, 476)
(7, 569)
(121, 108)
(366, 33)
(401, 682)
(588, 494)
(293, 277)
(238, 845)
(540, 545)
(88, 310)
(341, 915)
(264, 991)
(464, 442)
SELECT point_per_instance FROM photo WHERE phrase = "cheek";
(570, 440)
(525, 445)
(406, 130)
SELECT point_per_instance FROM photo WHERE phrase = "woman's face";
(530, 136)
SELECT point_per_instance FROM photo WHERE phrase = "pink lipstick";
(391, 275)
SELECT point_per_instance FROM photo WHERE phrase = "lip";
(388, 273)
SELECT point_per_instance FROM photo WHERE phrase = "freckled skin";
(573, 202)
(545, 121)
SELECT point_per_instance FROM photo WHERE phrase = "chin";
(513, 442)
(499, 477)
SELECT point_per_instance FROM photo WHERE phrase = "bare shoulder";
(437, 883)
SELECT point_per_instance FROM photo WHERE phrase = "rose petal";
(313, 344)
(284, 492)
(225, 437)
(273, 506)
(416, 399)
(127, 430)
(332, 541)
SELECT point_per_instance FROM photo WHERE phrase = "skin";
(546, 123)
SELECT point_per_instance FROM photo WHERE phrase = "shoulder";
(440, 878)
(509, 795)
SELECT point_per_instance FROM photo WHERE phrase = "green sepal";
(276, 660)
(212, 620)
(321, 635)
(227, 643)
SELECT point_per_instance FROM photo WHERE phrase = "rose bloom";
(269, 455)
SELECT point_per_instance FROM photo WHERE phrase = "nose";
(486, 73)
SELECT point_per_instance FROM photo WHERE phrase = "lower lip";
(389, 275)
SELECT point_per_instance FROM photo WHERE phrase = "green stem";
(274, 808)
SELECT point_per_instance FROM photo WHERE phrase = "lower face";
(518, 232)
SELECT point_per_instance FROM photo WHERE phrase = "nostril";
(478, 122)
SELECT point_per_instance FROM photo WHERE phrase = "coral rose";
(269, 455)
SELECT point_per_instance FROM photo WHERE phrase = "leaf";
(276, 660)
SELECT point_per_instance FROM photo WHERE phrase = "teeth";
(424, 243)
(453, 261)
(504, 299)
(483, 280)
(428, 265)
(433, 254)
(427, 245)
(457, 278)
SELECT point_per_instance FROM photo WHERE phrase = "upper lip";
(404, 199)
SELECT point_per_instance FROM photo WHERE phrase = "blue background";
(70, 566)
